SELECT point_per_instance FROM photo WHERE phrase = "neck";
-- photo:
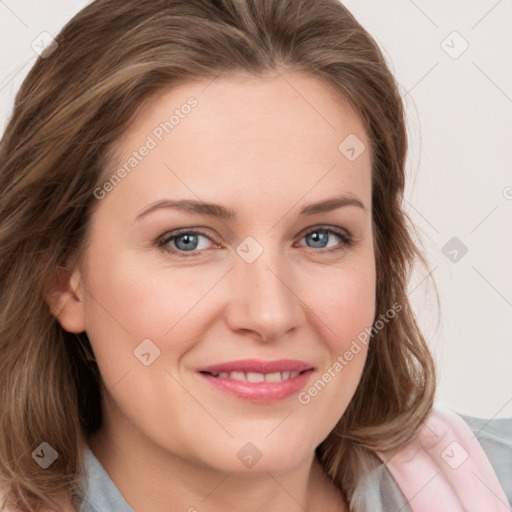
(150, 479)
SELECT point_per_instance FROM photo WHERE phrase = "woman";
(204, 267)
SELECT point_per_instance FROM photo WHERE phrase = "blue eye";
(321, 236)
(184, 243)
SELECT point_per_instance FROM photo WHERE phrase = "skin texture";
(265, 147)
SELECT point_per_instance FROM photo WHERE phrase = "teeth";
(257, 377)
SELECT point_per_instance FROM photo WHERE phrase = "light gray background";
(460, 119)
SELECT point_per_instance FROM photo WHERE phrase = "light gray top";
(378, 492)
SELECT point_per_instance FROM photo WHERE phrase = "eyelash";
(346, 241)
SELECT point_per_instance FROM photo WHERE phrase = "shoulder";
(452, 461)
(495, 437)
(377, 491)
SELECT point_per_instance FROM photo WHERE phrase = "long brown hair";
(71, 109)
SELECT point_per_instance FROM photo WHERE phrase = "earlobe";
(65, 299)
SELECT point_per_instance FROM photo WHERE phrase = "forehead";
(253, 134)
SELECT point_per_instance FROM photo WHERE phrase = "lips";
(259, 381)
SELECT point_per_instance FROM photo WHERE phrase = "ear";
(65, 298)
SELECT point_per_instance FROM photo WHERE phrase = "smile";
(259, 381)
(257, 377)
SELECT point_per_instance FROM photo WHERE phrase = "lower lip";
(262, 392)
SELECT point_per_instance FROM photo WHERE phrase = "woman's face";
(186, 326)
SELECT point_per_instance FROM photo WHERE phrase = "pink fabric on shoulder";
(444, 468)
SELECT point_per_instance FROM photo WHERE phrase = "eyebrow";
(219, 211)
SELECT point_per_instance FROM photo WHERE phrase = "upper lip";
(258, 366)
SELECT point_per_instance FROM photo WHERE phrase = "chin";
(253, 457)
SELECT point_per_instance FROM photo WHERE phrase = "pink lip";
(262, 392)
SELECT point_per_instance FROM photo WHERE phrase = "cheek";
(350, 312)
(345, 307)
(142, 299)
(345, 304)
(129, 301)
(349, 315)
(346, 310)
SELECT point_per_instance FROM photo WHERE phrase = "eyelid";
(325, 227)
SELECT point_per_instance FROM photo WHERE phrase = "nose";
(264, 298)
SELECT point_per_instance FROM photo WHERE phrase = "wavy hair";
(71, 109)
